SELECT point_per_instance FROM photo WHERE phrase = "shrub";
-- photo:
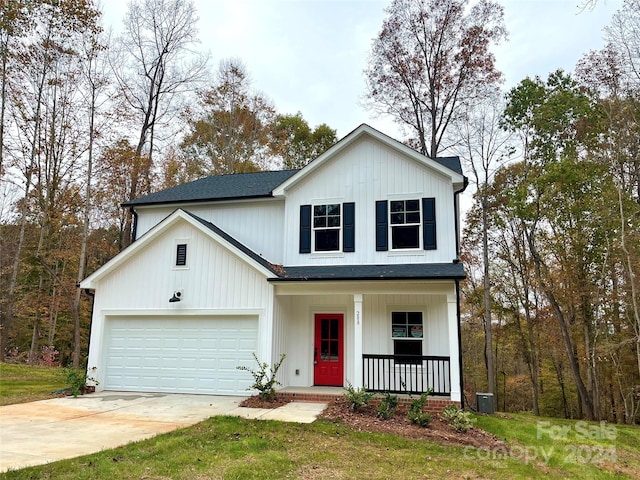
(387, 406)
(264, 378)
(48, 354)
(357, 398)
(459, 420)
(415, 413)
(77, 380)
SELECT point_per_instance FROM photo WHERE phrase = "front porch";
(381, 347)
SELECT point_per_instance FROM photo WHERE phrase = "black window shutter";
(382, 230)
(305, 228)
(429, 223)
(349, 227)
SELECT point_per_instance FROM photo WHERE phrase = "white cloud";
(308, 55)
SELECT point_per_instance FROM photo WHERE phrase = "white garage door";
(185, 355)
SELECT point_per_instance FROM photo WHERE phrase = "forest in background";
(551, 306)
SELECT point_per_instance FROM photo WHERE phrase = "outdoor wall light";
(177, 296)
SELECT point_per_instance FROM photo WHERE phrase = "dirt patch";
(398, 424)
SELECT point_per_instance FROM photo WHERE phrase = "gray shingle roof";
(443, 271)
(218, 187)
(452, 163)
(435, 271)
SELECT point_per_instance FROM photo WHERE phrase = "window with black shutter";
(327, 227)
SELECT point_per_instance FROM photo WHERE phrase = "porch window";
(407, 334)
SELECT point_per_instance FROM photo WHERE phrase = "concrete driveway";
(49, 430)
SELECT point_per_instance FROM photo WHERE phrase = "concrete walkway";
(49, 430)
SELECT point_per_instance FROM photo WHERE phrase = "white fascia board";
(362, 130)
(92, 280)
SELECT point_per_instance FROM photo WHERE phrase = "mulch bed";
(257, 402)
(437, 431)
(398, 424)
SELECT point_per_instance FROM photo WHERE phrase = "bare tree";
(431, 57)
(483, 144)
(42, 114)
(623, 35)
(95, 80)
(155, 64)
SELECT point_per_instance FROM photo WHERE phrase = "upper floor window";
(410, 223)
(404, 218)
(326, 227)
(331, 226)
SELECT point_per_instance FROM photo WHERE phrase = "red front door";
(328, 359)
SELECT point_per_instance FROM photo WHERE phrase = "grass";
(235, 448)
(27, 383)
(568, 447)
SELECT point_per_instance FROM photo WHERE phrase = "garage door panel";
(192, 355)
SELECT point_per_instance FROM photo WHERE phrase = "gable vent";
(181, 254)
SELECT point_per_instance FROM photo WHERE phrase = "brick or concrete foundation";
(434, 404)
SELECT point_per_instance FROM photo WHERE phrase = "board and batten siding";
(212, 278)
(363, 173)
(376, 329)
(300, 334)
(215, 282)
(259, 225)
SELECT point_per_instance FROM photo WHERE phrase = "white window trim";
(326, 253)
(419, 225)
(177, 242)
(411, 309)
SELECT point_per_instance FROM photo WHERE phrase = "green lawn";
(27, 383)
(234, 448)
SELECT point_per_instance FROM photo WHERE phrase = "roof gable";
(178, 215)
(448, 166)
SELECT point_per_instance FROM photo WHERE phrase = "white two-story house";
(348, 266)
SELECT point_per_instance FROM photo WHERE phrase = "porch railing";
(406, 374)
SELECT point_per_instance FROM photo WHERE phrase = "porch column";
(454, 353)
(357, 340)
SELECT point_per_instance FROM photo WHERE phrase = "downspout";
(134, 228)
(465, 184)
(462, 395)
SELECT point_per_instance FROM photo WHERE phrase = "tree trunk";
(75, 310)
(488, 332)
(583, 394)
